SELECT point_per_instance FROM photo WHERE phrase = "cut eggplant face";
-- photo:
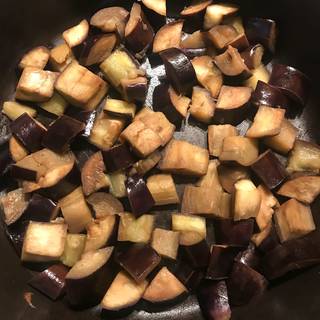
(168, 36)
(269, 169)
(17, 150)
(252, 56)
(60, 57)
(76, 34)
(259, 74)
(195, 40)
(232, 105)
(138, 32)
(135, 89)
(203, 105)
(240, 42)
(56, 105)
(43, 241)
(124, 292)
(73, 249)
(208, 74)
(159, 6)
(222, 35)
(239, 149)
(14, 110)
(181, 157)
(117, 184)
(293, 220)
(165, 243)
(37, 58)
(112, 19)
(145, 165)
(120, 108)
(164, 288)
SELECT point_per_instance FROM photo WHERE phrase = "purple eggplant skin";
(28, 132)
(139, 261)
(51, 282)
(229, 232)
(250, 257)
(139, 196)
(175, 7)
(270, 242)
(268, 95)
(5, 158)
(221, 261)
(194, 52)
(213, 301)
(245, 284)
(269, 170)
(20, 173)
(179, 70)
(292, 255)
(136, 91)
(196, 255)
(118, 158)
(15, 233)
(156, 20)
(292, 82)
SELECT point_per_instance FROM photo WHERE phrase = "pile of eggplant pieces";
(90, 161)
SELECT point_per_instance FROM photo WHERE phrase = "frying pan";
(26, 24)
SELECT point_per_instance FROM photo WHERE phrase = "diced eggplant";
(221, 261)
(35, 85)
(269, 169)
(162, 189)
(263, 31)
(81, 87)
(133, 229)
(304, 188)
(232, 105)
(252, 56)
(111, 19)
(247, 200)
(236, 21)
(159, 6)
(120, 108)
(135, 89)
(293, 220)
(13, 205)
(305, 156)
(44, 241)
(211, 178)
(165, 243)
(292, 82)
(73, 249)
(123, 292)
(216, 135)
(56, 105)
(214, 302)
(28, 131)
(179, 70)
(145, 165)
(140, 198)
(222, 35)
(14, 110)
(229, 232)
(195, 40)
(17, 150)
(76, 34)
(60, 57)
(202, 105)
(249, 257)
(75, 211)
(118, 184)
(261, 237)
(284, 141)
(139, 261)
(51, 282)
(192, 229)
(196, 255)
(241, 43)
(245, 284)
(208, 74)
(88, 279)
(181, 157)
(239, 149)
(138, 32)
(259, 74)
(164, 288)
(37, 58)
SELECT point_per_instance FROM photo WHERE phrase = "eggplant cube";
(44, 241)
(81, 87)
(182, 157)
(56, 105)
(293, 220)
(37, 58)
(17, 150)
(165, 242)
(76, 34)
(120, 108)
(60, 57)
(14, 110)
(222, 35)
(36, 85)
(73, 249)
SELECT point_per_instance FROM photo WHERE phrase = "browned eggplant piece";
(117, 184)
(179, 70)
(76, 34)
(221, 261)
(240, 42)
(135, 89)
(245, 284)
(292, 82)
(60, 57)
(17, 150)
(61, 133)
(232, 105)
(159, 6)
(168, 36)
(292, 255)
(138, 32)
(229, 232)
(304, 188)
(89, 278)
(195, 40)
(284, 141)
(293, 220)
(211, 179)
(145, 165)
(37, 57)
(249, 257)
(139, 196)
(51, 282)
(139, 261)
(182, 157)
(208, 75)
(196, 255)
(252, 55)
(14, 110)
(263, 31)
(221, 36)
(165, 243)
(214, 302)
(28, 131)
(269, 169)
(259, 74)
(111, 19)
(231, 64)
